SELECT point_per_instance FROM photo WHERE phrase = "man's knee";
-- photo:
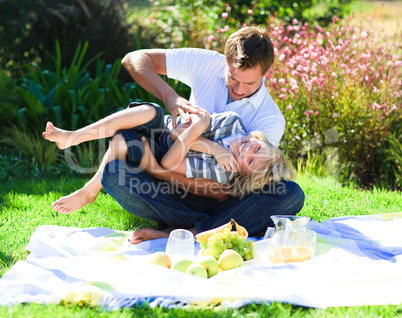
(295, 195)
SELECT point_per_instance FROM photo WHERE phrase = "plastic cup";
(180, 242)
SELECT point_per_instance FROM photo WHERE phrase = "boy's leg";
(118, 150)
(104, 128)
(88, 193)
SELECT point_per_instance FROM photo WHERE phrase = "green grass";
(24, 205)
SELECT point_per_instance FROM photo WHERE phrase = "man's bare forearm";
(201, 187)
(144, 66)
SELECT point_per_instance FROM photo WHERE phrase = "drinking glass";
(180, 242)
(268, 251)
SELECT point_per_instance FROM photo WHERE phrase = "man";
(234, 81)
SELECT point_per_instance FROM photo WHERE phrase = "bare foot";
(147, 234)
(57, 135)
(73, 201)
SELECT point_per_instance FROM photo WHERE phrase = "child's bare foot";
(57, 135)
(74, 201)
(147, 234)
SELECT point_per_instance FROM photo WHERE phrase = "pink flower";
(211, 38)
(281, 81)
(375, 89)
(393, 107)
(363, 35)
(249, 11)
(333, 74)
(282, 96)
(225, 15)
(226, 28)
(317, 112)
(289, 107)
(308, 113)
(334, 115)
(281, 57)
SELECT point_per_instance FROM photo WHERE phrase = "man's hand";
(180, 106)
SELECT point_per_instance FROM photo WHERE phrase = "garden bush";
(193, 23)
(29, 29)
(340, 91)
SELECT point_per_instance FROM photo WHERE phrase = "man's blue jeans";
(142, 195)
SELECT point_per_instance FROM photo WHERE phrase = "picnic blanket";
(358, 262)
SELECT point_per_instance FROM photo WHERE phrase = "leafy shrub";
(195, 23)
(341, 88)
(70, 96)
(29, 29)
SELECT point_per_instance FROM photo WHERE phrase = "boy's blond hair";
(278, 168)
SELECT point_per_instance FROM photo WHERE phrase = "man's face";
(242, 83)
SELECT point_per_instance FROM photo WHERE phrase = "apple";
(160, 258)
(197, 270)
(181, 264)
(230, 259)
(210, 264)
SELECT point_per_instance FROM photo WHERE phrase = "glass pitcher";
(295, 242)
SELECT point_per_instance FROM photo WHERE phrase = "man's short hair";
(248, 47)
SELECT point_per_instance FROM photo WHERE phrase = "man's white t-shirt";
(204, 71)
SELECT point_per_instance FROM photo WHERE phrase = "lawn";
(26, 205)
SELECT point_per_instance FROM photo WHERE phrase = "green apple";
(210, 264)
(160, 258)
(197, 270)
(181, 264)
(230, 259)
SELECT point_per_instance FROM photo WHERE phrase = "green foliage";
(189, 23)
(339, 90)
(29, 29)
(69, 96)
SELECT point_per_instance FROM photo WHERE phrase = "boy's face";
(251, 153)
(242, 83)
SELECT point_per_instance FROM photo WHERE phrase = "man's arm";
(197, 186)
(144, 66)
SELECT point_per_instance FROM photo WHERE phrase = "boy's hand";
(200, 119)
(225, 159)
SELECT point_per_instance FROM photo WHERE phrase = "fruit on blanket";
(197, 270)
(210, 264)
(160, 258)
(181, 264)
(230, 259)
(221, 241)
(241, 230)
(204, 236)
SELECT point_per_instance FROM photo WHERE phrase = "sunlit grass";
(26, 204)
